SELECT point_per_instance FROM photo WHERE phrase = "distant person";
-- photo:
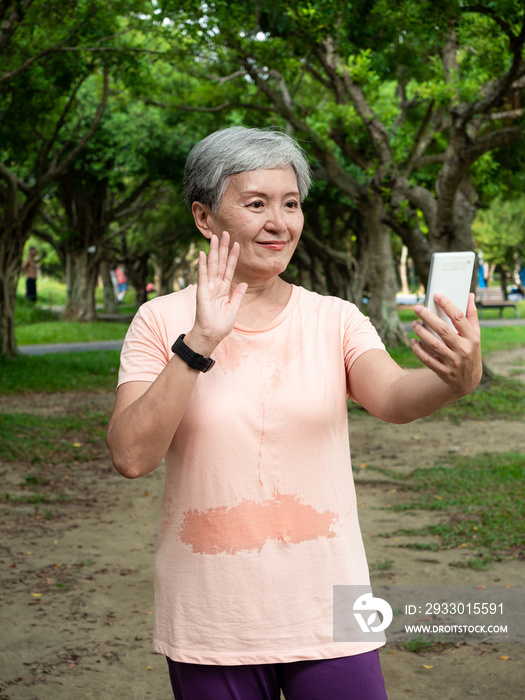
(30, 267)
(122, 283)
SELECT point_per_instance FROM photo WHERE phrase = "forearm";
(415, 394)
(145, 421)
(146, 416)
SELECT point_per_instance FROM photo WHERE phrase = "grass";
(51, 440)
(407, 315)
(492, 340)
(383, 565)
(35, 325)
(54, 331)
(43, 448)
(482, 500)
(502, 398)
(86, 371)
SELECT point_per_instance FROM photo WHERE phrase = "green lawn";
(80, 371)
(47, 332)
(481, 499)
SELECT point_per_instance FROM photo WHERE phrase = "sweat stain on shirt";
(248, 525)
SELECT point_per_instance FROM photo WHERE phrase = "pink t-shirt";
(258, 519)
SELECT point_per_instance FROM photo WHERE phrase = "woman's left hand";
(454, 357)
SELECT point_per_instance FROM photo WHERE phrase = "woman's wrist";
(200, 343)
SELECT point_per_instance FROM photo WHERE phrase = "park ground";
(77, 551)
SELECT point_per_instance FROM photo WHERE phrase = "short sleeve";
(145, 351)
(359, 337)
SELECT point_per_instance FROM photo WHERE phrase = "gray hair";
(237, 150)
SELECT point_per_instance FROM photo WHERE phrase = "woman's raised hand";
(455, 356)
(217, 304)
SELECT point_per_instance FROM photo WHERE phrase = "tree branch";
(511, 114)
(335, 171)
(217, 108)
(496, 139)
(123, 209)
(351, 152)
(489, 12)
(494, 92)
(419, 197)
(8, 24)
(56, 169)
(420, 144)
(9, 75)
(376, 129)
(425, 161)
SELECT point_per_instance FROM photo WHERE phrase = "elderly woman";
(241, 384)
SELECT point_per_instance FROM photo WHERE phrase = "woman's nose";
(275, 221)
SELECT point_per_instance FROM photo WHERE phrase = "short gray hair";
(237, 150)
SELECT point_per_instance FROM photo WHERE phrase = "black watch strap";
(192, 359)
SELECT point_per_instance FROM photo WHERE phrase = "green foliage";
(500, 233)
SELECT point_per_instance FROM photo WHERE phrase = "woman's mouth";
(272, 245)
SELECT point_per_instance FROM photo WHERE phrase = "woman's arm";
(146, 415)
(453, 364)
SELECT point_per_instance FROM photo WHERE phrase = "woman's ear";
(201, 215)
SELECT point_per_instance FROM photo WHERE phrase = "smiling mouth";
(272, 245)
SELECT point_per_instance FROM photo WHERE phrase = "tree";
(396, 103)
(48, 51)
(20, 200)
(500, 234)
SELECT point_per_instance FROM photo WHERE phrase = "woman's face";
(261, 210)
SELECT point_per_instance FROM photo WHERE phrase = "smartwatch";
(192, 359)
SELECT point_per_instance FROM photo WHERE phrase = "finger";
(458, 318)
(436, 345)
(224, 248)
(237, 296)
(213, 257)
(431, 326)
(472, 312)
(202, 271)
(231, 263)
(432, 361)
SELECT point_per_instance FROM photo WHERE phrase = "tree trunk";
(325, 270)
(11, 251)
(110, 298)
(382, 307)
(165, 274)
(81, 282)
(137, 272)
(403, 270)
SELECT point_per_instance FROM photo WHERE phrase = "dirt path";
(76, 594)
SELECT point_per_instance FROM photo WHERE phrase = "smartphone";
(451, 275)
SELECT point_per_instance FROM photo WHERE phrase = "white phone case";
(451, 275)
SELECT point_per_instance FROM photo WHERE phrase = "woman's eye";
(292, 205)
(256, 205)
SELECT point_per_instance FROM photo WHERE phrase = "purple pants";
(356, 677)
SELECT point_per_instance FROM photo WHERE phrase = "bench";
(492, 298)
